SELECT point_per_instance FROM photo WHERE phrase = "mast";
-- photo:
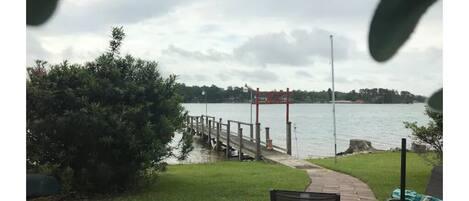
(333, 99)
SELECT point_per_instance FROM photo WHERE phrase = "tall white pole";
(333, 100)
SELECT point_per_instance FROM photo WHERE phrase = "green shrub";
(104, 122)
(432, 134)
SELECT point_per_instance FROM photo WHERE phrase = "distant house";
(359, 101)
(341, 101)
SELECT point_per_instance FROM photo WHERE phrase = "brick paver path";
(328, 181)
(349, 188)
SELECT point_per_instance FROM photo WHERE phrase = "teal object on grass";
(412, 196)
(38, 185)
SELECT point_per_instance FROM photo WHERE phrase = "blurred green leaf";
(392, 24)
(39, 11)
(436, 101)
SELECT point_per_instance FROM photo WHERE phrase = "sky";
(263, 43)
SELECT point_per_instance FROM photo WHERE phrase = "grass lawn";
(228, 180)
(381, 171)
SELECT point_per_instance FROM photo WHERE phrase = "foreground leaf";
(39, 11)
(392, 24)
(436, 101)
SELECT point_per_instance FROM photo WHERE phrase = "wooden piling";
(251, 134)
(209, 133)
(192, 125)
(228, 153)
(258, 141)
(289, 138)
(268, 141)
(217, 145)
(197, 125)
(202, 126)
(240, 150)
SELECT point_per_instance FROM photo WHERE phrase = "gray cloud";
(304, 74)
(344, 80)
(304, 10)
(193, 77)
(257, 76)
(210, 55)
(298, 48)
(73, 16)
(34, 49)
(365, 81)
(252, 37)
(224, 76)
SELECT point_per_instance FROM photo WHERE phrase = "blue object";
(412, 196)
(38, 185)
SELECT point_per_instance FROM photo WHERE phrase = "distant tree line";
(234, 94)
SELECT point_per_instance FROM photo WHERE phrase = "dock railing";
(212, 129)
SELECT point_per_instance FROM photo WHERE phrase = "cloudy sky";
(266, 44)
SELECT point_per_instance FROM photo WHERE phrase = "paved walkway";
(349, 188)
(328, 181)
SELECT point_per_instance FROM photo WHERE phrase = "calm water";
(312, 126)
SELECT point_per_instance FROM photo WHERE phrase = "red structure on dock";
(275, 97)
(272, 97)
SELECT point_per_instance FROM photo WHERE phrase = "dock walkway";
(219, 134)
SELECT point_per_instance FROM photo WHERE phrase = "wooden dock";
(243, 137)
(246, 139)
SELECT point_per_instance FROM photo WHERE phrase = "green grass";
(221, 181)
(381, 171)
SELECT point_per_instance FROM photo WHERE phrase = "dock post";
(289, 138)
(192, 125)
(251, 134)
(197, 125)
(202, 126)
(268, 141)
(258, 141)
(228, 140)
(209, 133)
(240, 150)
(217, 145)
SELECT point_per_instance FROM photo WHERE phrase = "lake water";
(312, 127)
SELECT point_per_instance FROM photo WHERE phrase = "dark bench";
(283, 195)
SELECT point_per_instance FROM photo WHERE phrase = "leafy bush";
(432, 134)
(105, 122)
